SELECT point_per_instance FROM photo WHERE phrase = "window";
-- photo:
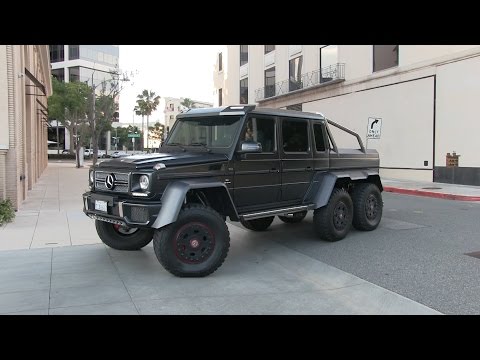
(73, 52)
(74, 73)
(319, 137)
(56, 53)
(244, 91)
(384, 57)
(296, 107)
(328, 62)
(172, 117)
(219, 97)
(243, 54)
(261, 130)
(270, 82)
(269, 48)
(220, 65)
(295, 70)
(295, 135)
(59, 74)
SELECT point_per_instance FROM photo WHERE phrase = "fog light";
(144, 182)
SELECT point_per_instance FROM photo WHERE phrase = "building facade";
(91, 64)
(25, 84)
(424, 96)
(173, 106)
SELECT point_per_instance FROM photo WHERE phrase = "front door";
(257, 175)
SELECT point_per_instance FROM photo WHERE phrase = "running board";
(282, 211)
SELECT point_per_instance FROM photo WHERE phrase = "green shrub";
(7, 214)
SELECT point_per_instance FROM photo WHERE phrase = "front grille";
(121, 181)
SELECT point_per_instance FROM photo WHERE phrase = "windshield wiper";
(201, 144)
(177, 144)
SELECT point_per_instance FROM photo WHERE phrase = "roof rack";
(237, 109)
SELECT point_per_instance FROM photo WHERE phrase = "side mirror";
(250, 147)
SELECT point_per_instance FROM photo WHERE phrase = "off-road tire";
(258, 224)
(367, 206)
(116, 240)
(333, 221)
(195, 245)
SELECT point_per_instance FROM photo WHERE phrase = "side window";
(319, 137)
(261, 130)
(295, 135)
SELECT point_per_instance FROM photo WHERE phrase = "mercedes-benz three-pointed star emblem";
(110, 181)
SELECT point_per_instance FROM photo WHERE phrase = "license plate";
(101, 205)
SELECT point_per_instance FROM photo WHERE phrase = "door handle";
(274, 170)
(309, 168)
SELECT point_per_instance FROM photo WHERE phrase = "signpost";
(374, 129)
(133, 136)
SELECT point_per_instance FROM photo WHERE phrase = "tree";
(156, 131)
(189, 103)
(147, 102)
(69, 105)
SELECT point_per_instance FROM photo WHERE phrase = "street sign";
(133, 135)
(374, 128)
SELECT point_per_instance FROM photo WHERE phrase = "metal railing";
(321, 76)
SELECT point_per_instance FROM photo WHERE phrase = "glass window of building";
(269, 48)
(73, 52)
(243, 54)
(74, 73)
(220, 65)
(244, 91)
(296, 107)
(270, 82)
(295, 70)
(219, 97)
(59, 74)
(56, 53)
(384, 57)
(328, 62)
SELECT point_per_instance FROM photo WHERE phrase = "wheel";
(258, 224)
(195, 245)
(294, 218)
(333, 221)
(122, 237)
(367, 206)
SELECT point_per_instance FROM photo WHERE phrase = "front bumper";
(129, 212)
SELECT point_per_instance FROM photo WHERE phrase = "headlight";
(91, 177)
(144, 182)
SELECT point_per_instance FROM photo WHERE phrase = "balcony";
(314, 78)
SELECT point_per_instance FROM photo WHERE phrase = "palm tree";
(148, 102)
(189, 103)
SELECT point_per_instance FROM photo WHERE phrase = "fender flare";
(323, 183)
(174, 196)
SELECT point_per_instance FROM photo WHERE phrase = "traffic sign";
(374, 128)
(133, 135)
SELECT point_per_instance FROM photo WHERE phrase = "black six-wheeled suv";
(245, 163)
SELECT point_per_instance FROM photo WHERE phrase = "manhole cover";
(475, 254)
(431, 188)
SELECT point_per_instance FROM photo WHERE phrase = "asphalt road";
(418, 251)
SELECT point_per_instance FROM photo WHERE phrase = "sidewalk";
(432, 189)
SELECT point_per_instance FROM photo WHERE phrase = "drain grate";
(431, 188)
(475, 254)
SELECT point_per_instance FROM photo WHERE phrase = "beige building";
(424, 96)
(25, 84)
(173, 106)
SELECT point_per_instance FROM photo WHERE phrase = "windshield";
(210, 132)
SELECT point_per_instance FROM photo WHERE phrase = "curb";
(430, 194)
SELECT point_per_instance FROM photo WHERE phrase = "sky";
(168, 70)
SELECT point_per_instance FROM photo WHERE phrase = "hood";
(145, 161)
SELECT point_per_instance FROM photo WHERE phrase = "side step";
(282, 211)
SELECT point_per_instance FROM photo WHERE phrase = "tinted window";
(319, 138)
(261, 130)
(295, 135)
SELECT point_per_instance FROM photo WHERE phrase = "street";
(418, 251)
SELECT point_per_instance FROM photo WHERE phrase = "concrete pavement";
(42, 273)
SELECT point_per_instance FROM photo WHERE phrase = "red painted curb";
(430, 194)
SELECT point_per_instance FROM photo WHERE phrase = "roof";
(243, 109)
